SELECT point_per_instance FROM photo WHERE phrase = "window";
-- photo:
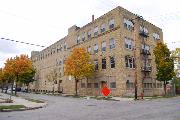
(148, 85)
(112, 60)
(113, 85)
(104, 63)
(89, 85)
(111, 24)
(78, 39)
(96, 85)
(83, 36)
(96, 64)
(89, 34)
(103, 46)
(95, 48)
(89, 49)
(128, 24)
(143, 29)
(129, 43)
(156, 36)
(59, 48)
(129, 85)
(159, 85)
(145, 48)
(95, 31)
(129, 61)
(65, 46)
(58, 62)
(103, 27)
(112, 43)
(82, 85)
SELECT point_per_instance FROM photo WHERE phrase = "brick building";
(121, 47)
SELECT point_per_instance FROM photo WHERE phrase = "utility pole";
(134, 49)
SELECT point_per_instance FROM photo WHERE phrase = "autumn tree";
(176, 55)
(27, 77)
(52, 77)
(164, 64)
(17, 67)
(2, 80)
(79, 65)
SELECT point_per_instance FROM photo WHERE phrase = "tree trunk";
(27, 87)
(76, 81)
(53, 88)
(12, 88)
(6, 89)
(17, 78)
(86, 85)
(165, 88)
(2, 87)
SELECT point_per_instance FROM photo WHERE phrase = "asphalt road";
(66, 108)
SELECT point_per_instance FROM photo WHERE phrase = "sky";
(44, 22)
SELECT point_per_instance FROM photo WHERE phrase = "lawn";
(12, 107)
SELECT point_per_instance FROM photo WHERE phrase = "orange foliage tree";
(17, 67)
(79, 65)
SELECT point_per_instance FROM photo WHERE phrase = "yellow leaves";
(18, 65)
(78, 64)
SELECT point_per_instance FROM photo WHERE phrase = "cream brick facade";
(119, 79)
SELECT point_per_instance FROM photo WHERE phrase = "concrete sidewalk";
(21, 101)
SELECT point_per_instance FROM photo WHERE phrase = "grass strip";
(33, 100)
(12, 107)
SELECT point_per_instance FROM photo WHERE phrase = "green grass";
(33, 100)
(12, 107)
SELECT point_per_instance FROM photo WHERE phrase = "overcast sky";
(44, 22)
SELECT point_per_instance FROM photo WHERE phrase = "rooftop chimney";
(92, 18)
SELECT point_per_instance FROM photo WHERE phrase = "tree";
(79, 65)
(164, 64)
(176, 55)
(17, 67)
(2, 80)
(52, 77)
(27, 77)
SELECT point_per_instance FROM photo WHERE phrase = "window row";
(103, 46)
(151, 85)
(129, 25)
(112, 63)
(44, 54)
(96, 85)
(95, 31)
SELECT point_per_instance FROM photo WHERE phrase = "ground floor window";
(113, 85)
(129, 85)
(82, 85)
(159, 85)
(148, 85)
(89, 85)
(96, 85)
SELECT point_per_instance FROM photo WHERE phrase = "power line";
(21, 42)
(172, 42)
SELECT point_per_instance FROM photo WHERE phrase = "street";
(66, 108)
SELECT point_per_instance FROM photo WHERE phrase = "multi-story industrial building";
(121, 45)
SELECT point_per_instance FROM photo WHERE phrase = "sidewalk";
(21, 101)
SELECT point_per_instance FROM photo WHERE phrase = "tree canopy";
(19, 69)
(79, 65)
(164, 64)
